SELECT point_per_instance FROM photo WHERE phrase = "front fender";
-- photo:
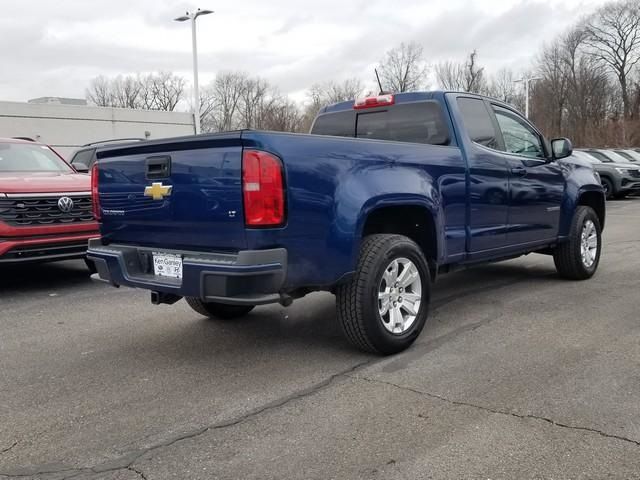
(580, 179)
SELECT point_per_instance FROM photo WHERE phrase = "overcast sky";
(54, 48)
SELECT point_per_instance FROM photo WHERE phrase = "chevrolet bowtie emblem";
(157, 191)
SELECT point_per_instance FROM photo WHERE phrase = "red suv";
(45, 205)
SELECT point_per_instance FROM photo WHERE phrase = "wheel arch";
(415, 220)
(596, 201)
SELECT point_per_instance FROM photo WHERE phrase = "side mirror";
(80, 167)
(561, 148)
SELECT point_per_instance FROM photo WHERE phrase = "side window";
(518, 136)
(84, 156)
(478, 122)
(339, 124)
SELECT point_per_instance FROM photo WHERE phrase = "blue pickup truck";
(384, 195)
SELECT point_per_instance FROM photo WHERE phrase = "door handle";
(520, 171)
(158, 167)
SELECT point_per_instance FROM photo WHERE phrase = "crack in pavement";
(500, 412)
(137, 472)
(126, 462)
(5, 450)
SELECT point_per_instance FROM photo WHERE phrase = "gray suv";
(619, 177)
(84, 158)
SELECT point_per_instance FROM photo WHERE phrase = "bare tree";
(323, 94)
(99, 92)
(613, 35)
(161, 91)
(465, 76)
(227, 90)
(125, 92)
(235, 100)
(255, 100)
(503, 87)
(551, 89)
(283, 116)
(167, 90)
(588, 91)
(404, 68)
(474, 75)
(450, 75)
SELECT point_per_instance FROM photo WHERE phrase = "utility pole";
(527, 88)
(194, 46)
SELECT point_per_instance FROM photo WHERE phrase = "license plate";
(167, 265)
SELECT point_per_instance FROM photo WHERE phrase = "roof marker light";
(372, 102)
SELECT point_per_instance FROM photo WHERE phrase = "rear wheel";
(384, 307)
(578, 258)
(218, 310)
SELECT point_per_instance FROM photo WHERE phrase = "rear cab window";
(416, 122)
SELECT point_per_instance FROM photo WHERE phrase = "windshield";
(585, 156)
(21, 157)
(600, 156)
(613, 156)
(631, 156)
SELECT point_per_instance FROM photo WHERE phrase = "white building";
(67, 127)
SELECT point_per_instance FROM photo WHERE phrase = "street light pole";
(527, 82)
(194, 47)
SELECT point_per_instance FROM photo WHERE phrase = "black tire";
(568, 255)
(608, 187)
(357, 300)
(218, 310)
(91, 266)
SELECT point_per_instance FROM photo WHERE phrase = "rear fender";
(357, 198)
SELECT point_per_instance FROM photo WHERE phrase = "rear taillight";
(263, 189)
(95, 199)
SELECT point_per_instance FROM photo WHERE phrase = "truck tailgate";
(174, 193)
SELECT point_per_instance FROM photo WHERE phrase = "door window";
(519, 137)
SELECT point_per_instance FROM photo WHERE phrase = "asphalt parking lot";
(518, 374)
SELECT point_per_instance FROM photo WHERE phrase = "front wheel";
(578, 258)
(607, 185)
(384, 307)
(218, 310)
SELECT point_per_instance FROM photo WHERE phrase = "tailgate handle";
(158, 167)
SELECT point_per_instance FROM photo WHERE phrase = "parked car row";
(619, 169)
